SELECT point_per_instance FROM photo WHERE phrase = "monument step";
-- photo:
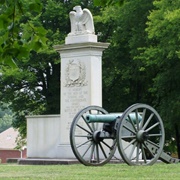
(38, 161)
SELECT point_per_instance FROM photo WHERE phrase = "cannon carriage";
(138, 133)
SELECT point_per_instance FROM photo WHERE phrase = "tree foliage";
(19, 31)
(162, 55)
(5, 117)
(123, 75)
(5, 122)
(142, 63)
(108, 2)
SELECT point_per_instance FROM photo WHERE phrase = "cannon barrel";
(102, 118)
(107, 118)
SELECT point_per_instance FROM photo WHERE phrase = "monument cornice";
(85, 45)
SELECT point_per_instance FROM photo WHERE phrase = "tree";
(5, 117)
(19, 34)
(163, 55)
(5, 122)
(108, 2)
(33, 86)
(123, 74)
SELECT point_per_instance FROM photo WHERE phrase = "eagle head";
(77, 8)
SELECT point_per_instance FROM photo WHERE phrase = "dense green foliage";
(19, 32)
(125, 78)
(108, 2)
(5, 122)
(5, 117)
(141, 64)
(163, 55)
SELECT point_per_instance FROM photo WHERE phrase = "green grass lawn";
(81, 172)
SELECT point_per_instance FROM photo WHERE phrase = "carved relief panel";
(75, 74)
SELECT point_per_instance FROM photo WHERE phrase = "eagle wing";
(87, 19)
(72, 15)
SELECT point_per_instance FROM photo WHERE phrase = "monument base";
(38, 161)
(72, 39)
(43, 138)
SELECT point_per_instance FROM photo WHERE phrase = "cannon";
(138, 133)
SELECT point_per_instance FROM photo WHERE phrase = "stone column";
(81, 81)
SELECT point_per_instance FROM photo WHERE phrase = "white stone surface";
(81, 21)
(72, 39)
(81, 81)
(43, 136)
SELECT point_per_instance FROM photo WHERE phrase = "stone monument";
(81, 86)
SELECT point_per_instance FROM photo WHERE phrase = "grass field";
(81, 172)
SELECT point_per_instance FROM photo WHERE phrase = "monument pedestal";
(82, 38)
(81, 86)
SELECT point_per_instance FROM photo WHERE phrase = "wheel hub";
(96, 136)
(142, 136)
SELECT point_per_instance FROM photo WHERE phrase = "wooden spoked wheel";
(140, 135)
(87, 147)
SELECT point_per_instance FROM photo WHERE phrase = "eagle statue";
(81, 21)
